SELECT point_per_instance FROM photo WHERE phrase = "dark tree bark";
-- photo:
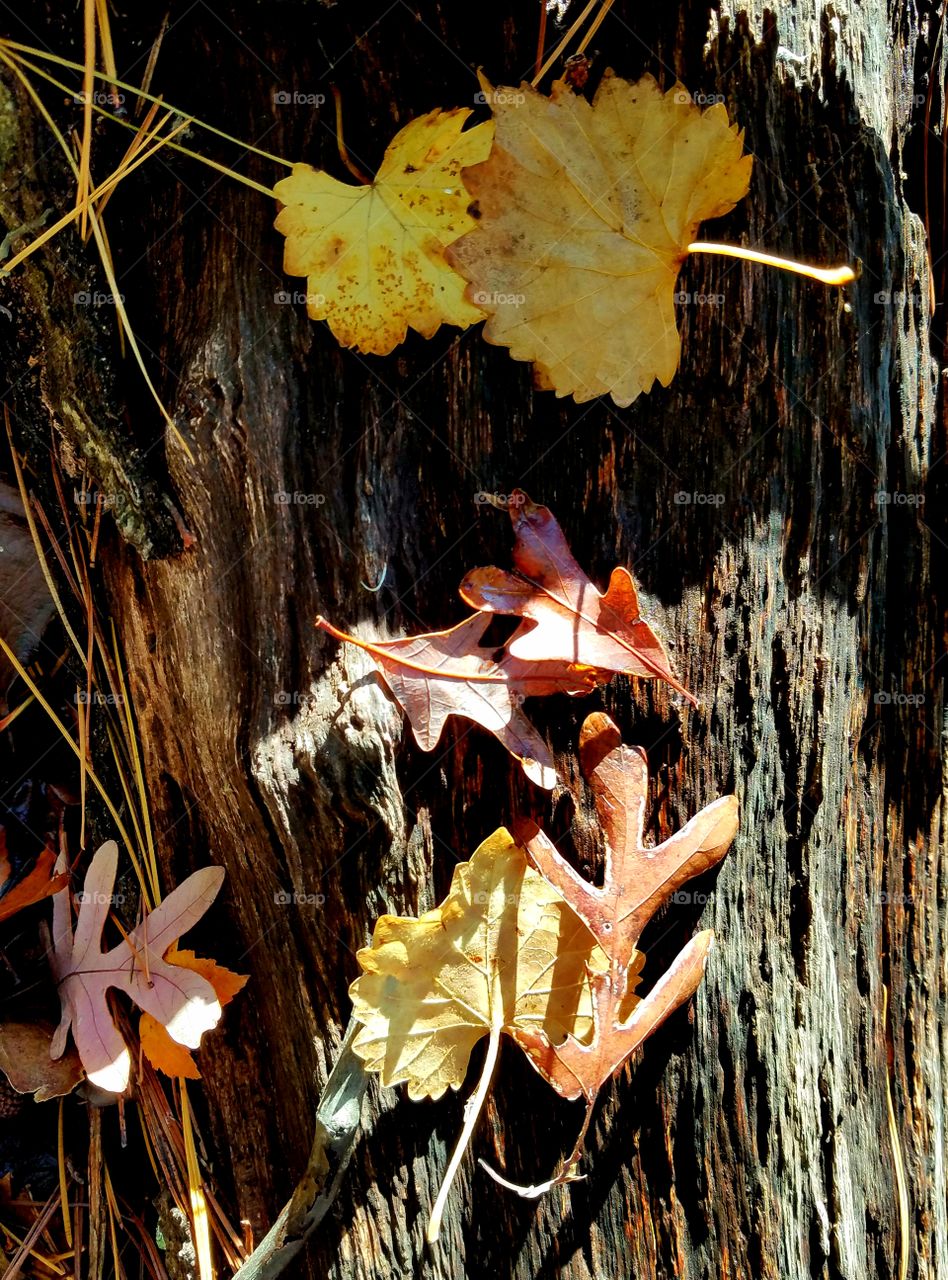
(752, 1136)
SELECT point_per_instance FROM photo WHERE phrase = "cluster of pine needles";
(85, 1222)
(87, 1227)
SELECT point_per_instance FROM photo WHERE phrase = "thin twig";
(541, 40)
(594, 26)
(563, 43)
(825, 275)
(150, 65)
(337, 1124)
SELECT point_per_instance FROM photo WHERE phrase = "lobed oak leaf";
(586, 211)
(575, 623)
(373, 256)
(502, 953)
(445, 673)
(636, 881)
(184, 1002)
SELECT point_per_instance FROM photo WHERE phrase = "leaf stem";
(395, 659)
(566, 1174)
(825, 275)
(574, 1156)
(472, 1112)
(340, 142)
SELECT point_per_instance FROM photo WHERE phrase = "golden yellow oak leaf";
(502, 951)
(373, 256)
(585, 214)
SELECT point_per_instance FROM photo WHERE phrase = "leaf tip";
(598, 736)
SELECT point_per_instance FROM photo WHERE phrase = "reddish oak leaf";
(635, 883)
(36, 885)
(447, 673)
(566, 618)
(183, 1001)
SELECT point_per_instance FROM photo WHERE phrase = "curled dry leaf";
(37, 884)
(447, 673)
(183, 1001)
(502, 951)
(575, 623)
(585, 215)
(373, 256)
(637, 880)
(25, 1061)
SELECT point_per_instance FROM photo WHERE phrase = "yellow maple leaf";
(586, 212)
(373, 256)
(502, 950)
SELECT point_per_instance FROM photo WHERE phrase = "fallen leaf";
(502, 952)
(575, 623)
(39, 883)
(571, 638)
(636, 881)
(162, 1052)
(585, 214)
(447, 673)
(184, 1002)
(166, 1054)
(373, 256)
(25, 1061)
(224, 981)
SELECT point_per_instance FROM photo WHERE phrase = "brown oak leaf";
(445, 673)
(570, 639)
(636, 881)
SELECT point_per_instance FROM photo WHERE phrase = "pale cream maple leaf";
(585, 212)
(502, 951)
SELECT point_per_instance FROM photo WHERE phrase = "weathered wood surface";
(752, 1137)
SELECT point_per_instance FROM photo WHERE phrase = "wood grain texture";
(807, 615)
